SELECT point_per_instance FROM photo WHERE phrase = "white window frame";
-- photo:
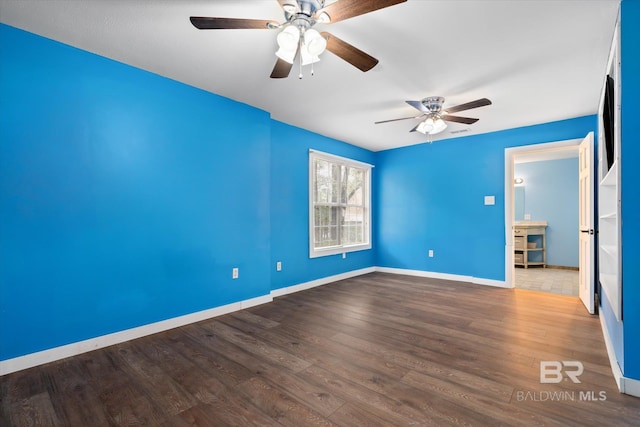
(342, 248)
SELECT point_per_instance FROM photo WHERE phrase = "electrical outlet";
(279, 266)
(235, 273)
(344, 255)
(430, 253)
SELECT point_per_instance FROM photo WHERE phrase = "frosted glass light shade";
(315, 43)
(286, 55)
(306, 57)
(288, 38)
(438, 126)
(425, 126)
(430, 126)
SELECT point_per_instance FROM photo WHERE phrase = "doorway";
(540, 278)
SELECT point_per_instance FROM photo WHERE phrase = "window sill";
(338, 250)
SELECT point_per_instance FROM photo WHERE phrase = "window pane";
(336, 175)
(322, 183)
(354, 214)
(354, 187)
(339, 202)
(353, 233)
(353, 226)
(328, 182)
(327, 221)
(326, 237)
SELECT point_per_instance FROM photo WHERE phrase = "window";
(339, 205)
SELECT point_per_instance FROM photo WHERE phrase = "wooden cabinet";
(530, 244)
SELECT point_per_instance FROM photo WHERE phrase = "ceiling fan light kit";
(288, 38)
(298, 39)
(434, 117)
(431, 125)
(314, 42)
(298, 34)
(288, 43)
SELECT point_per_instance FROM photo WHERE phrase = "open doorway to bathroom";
(546, 217)
(586, 214)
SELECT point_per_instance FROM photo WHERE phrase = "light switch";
(489, 200)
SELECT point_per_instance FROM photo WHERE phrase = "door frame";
(509, 157)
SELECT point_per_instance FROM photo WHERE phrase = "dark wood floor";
(373, 350)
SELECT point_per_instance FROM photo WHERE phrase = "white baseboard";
(319, 282)
(631, 386)
(625, 385)
(51, 355)
(613, 361)
(444, 276)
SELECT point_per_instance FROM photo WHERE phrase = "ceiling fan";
(434, 117)
(298, 36)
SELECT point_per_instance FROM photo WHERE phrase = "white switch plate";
(430, 253)
(279, 266)
(527, 217)
(489, 200)
(235, 273)
(344, 255)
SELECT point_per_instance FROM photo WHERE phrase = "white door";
(586, 251)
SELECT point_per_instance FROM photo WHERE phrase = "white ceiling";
(537, 61)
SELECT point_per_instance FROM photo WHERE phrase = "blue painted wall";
(126, 198)
(551, 194)
(630, 149)
(431, 196)
(290, 207)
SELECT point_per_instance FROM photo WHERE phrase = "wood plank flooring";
(376, 350)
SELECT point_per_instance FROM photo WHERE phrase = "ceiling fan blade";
(418, 106)
(395, 120)
(344, 9)
(349, 53)
(206, 23)
(469, 105)
(281, 69)
(458, 119)
(415, 128)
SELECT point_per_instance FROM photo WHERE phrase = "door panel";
(586, 227)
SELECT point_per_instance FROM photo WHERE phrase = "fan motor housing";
(433, 103)
(305, 7)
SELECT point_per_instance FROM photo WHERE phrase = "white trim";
(509, 160)
(444, 276)
(490, 282)
(341, 158)
(613, 361)
(626, 385)
(631, 386)
(51, 355)
(46, 356)
(248, 303)
(340, 249)
(319, 282)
